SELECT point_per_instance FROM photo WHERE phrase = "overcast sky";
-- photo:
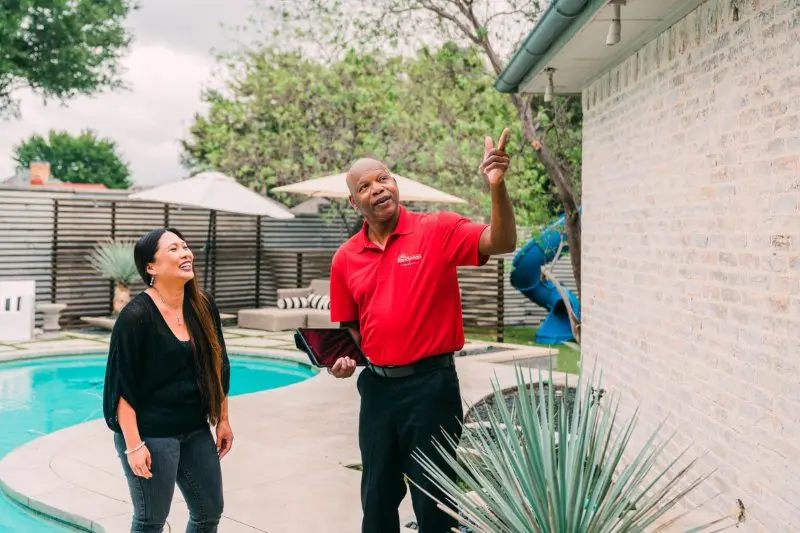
(168, 65)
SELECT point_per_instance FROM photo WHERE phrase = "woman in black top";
(167, 381)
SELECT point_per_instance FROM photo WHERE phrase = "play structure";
(526, 277)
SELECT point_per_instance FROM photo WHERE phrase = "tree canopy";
(82, 158)
(60, 48)
(284, 118)
(493, 27)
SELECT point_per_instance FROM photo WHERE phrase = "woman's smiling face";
(173, 259)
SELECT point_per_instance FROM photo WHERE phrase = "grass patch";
(513, 334)
(568, 360)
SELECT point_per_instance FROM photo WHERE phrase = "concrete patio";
(288, 470)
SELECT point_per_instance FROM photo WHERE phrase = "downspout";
(558, 15)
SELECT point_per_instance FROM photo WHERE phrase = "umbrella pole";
(208, 251)
(214, 257)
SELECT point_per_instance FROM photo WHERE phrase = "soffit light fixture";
(615, 28)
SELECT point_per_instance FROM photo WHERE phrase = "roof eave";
(558, 24)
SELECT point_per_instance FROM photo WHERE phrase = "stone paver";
(62, 346)
(285, 473)
(255, 342)
(285, 337)
(99, 337)
(247, 332)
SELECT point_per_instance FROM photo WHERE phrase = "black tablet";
(325, 346)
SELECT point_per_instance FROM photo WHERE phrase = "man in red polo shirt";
(395, 285)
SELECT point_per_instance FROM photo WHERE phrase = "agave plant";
(113, 259)
(523, 476)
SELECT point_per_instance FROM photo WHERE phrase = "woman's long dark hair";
(200, 322)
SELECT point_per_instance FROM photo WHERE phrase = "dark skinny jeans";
(191, 462)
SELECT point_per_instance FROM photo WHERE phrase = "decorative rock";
(52, 314)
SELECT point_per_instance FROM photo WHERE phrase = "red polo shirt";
(406, 297)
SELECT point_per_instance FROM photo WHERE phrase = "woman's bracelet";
(139, 447)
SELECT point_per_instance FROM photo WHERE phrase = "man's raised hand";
(495, 160)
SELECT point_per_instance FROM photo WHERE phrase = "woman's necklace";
(177, 316)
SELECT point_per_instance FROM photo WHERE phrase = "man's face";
(374, 193)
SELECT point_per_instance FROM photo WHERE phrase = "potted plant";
(540, 467)
(113, 259)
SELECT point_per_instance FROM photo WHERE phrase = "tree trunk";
(562, 182)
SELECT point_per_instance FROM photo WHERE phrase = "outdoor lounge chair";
(277, 319)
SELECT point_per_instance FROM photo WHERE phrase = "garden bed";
(477, 415)
(481, 349)
(479, 412)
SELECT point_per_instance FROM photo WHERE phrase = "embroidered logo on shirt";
(408, 260)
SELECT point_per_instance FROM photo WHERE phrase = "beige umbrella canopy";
(216, 192)
(336, 187)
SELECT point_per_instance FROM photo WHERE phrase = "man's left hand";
(495, 160)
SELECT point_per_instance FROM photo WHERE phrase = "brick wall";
(691, 236)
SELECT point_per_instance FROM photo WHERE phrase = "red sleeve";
(461, 239)
(343, 306)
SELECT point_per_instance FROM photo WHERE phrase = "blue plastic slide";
(526, 277)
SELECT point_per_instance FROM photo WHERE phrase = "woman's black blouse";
(155, 372)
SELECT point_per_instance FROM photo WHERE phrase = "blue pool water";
(41, 396)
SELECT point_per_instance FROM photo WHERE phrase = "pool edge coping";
(38, 507)
(262, 353)
(35, 506)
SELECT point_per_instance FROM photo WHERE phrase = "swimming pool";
(40, 396)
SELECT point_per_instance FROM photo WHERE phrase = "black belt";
(417, 367)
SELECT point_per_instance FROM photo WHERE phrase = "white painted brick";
(691, 236)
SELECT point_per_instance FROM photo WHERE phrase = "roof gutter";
(558, 16)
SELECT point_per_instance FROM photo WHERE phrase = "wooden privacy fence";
(48, 238)
(242, 271)
(482, 288)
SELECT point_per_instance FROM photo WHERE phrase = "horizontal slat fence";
(482, 298)
(26, 239)
(519, 311)
(48, 235)
(291, 268)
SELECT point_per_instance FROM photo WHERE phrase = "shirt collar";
(405, 225)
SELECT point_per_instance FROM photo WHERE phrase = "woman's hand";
(140, 462)
(224, 438)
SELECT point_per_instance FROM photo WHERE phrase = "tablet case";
(301, 345)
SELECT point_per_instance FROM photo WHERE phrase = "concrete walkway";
(286, 473)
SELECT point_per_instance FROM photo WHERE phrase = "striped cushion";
(319, 301)
(294, 302)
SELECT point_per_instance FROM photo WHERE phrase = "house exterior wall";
(691, 247)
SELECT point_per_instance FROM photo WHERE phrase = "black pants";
(400, 416)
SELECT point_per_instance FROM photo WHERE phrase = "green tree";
(78, 159)
(60, 48)
(494, 27)
(286, 118)
(453, 106)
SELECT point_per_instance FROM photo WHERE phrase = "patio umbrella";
(216, 192)
(336, 187)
